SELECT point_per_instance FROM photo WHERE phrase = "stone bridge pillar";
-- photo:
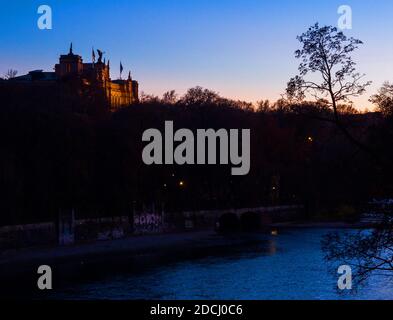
(66, 227)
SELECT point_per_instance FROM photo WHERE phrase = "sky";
(243, 49)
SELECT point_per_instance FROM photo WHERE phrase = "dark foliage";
(76, 155)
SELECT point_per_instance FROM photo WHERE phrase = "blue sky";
(240, 48)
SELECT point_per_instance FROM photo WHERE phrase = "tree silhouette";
(384, 99)
(148, 98)
(10, 74)
(367, 252)
(326, 52)
(200, 96)
(328, 73)
(170, 97)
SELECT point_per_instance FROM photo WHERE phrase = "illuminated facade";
(88, 81)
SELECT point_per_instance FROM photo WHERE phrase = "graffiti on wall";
(147, 223)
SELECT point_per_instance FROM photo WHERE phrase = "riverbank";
(129, 245)
(18, 268)
(14, 259)
(76, 263)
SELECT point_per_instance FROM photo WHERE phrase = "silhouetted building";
(74, 80)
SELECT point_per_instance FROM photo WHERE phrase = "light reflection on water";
(289, 266)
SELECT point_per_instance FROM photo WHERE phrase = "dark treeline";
(66, 155)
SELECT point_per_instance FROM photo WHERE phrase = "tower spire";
(71, 49)
(93, 55)
(129, 76)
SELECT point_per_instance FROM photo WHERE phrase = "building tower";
(69, 65)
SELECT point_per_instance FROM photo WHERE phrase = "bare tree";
(263, 106)
(200, 96)
(10, 74)
(327, 71)
(367, 252)
(170, 97)
(384, 99)
(148, 98)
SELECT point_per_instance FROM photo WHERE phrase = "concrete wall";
(27, 235)
(68, 230)
(51, 234)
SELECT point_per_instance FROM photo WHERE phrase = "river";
(289, 266)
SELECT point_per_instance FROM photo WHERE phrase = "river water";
(286, 267)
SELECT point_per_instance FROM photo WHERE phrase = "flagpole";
(93, 54)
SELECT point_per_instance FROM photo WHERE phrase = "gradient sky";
(241, 48)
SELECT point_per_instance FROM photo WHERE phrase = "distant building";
(85, 81)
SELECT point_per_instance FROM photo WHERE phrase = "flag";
(121, 68)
